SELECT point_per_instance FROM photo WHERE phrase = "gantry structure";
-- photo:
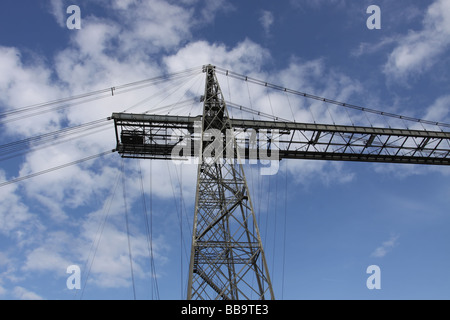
(227, 257)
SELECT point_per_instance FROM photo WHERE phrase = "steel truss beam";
(157, 136)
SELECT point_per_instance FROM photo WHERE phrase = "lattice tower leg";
(227, 256)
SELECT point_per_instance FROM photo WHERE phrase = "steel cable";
(326, 100)
(36, 174)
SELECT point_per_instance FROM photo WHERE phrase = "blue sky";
(322, 223)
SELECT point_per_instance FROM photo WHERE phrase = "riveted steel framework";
(227, 256)
(151, 137)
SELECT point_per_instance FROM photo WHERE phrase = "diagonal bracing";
(227, 257)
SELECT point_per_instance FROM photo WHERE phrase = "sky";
(127, 223)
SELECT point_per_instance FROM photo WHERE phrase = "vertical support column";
(227, 256)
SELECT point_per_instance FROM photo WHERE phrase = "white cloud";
(247, 56)
(123, 4)
(15, 216)
(372, 48)
(68, 188)
(46, 259)
(386, 246)
(58, 11)
(316, 3)
(25, 294)
(266, 19)
(319, 172)
(103, 249)
(24, 85)
(419, 50)
(163, 25)
(440, 110)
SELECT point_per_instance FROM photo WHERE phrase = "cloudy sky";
(127, 223)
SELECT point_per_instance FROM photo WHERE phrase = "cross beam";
(159, 137)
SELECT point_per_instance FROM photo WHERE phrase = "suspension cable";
(149, 231)
(63, 103)
(284, 229)
(326, 100)
(20, 147)
(6, 183)
(96, 241)
(130, 256)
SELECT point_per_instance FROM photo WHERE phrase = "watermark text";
(74, 280)
(374, 280)
(374, 21)
(74, 20)
(255, 146)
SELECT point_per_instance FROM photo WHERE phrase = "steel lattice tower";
(227, 256)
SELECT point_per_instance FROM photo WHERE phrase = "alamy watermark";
(374, 280)
(374, 21)
(255, 146)
(74, 20)
(74, 280)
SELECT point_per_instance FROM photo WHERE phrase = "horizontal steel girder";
(156, 136)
